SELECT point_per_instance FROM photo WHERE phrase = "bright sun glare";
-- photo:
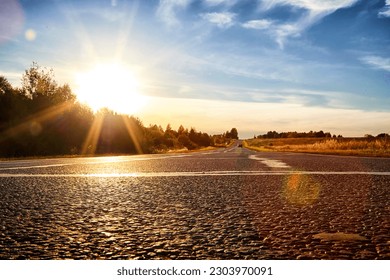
(111, 86)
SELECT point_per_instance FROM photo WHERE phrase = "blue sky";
(257, 65)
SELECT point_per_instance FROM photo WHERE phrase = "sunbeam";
(33, 122)
(130, 130)
(91, 141)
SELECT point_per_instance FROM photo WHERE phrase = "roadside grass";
(340, 146)
(185, 150)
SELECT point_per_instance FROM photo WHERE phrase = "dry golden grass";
(338, 146)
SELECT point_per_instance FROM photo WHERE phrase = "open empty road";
(224, 204)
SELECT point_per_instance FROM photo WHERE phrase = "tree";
(205, 140)
(193, 135)
(37, 81)
(63, 94)
(6, 100)
(5, 86)
(320, 134)
(170, 136)
(383, 135)
(234, 133)
(181, 130)
(186, 142)
(13, 104)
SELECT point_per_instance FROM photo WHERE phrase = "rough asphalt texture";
(226, 216)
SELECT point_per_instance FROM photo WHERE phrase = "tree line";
(44, 118)
(294, 134)
(312, 134)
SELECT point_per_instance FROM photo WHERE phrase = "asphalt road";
(224, 204)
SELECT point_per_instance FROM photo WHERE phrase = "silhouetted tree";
(186, 142)
(234, 133)
(294, 134)
(37, 81)
(182, 130)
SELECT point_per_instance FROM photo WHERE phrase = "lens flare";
(30, 35)
(301, 189)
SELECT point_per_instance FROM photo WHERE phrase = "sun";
(111, 86)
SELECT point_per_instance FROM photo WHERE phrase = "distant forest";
(310, 134)
(42, 118)
(294, 134)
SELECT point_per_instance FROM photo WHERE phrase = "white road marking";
(270, 162)
(197, 174)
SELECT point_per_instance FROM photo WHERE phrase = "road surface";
(224, 204)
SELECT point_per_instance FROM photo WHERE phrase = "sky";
(257, 65)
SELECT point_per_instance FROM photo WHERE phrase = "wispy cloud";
(314, 11)
(377, 62)
(220, 2)
(385, 11)
(311, 5)
(13, 77)
(166, 10)
(222, 20)
(258, 24)
(279, 31)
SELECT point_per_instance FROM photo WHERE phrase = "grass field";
(339, 146)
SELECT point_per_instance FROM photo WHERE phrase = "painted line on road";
(270, 162)
(198, 174)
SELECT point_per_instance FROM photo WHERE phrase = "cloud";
(258, 24)
(311, 5)
(220, 2)
(222, 20)
(12, 76)
(377, 62)
(166, 11)
(385, 11)
(314, 11)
